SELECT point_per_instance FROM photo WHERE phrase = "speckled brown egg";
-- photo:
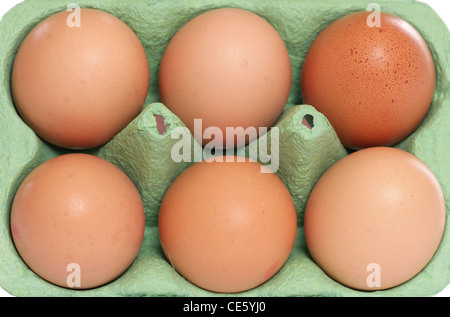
(374, 83)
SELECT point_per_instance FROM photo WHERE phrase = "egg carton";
(308, 144)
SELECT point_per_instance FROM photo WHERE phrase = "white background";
(442, 7)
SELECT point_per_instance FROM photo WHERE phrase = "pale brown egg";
(375, 218)
(374, 83)
(76, 85)
(231, 69)
(77, 221)
(227, 226)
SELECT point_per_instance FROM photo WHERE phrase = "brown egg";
(375, 218)
(230, 68)
(77, 86)
(374, 84)
(227, 226)
(77, 221)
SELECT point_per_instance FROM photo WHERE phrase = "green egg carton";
(308, 145)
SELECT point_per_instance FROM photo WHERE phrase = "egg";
(375, 218)
(77, 221)
(79, 77)
(226, 226)
(374, 84)
(230, 69)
